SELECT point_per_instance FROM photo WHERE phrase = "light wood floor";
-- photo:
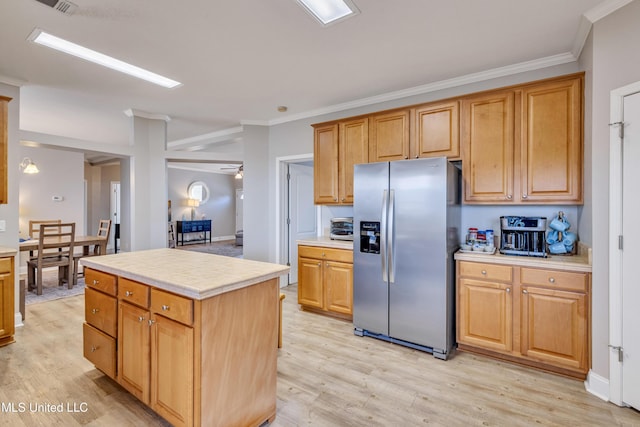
(326, 377)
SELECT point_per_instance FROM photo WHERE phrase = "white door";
(631, 251)
(302, 212)
(115, 214)
(239, 205)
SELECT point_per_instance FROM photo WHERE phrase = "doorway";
(296, 214)
(114, 212)
(624, 293)
(239, 208)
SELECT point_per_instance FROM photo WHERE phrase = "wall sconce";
(193, 204)
(240, 173)
(27, 166)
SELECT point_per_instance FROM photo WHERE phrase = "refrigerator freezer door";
(418, 295)
(370, 289)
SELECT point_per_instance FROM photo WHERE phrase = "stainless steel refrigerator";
(406, 228)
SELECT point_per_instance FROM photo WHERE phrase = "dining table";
(86, 242)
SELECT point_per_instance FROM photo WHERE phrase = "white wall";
(615, 64)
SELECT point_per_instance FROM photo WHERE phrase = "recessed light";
(45, 39)
(329, 11)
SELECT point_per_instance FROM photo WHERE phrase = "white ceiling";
(239, 60)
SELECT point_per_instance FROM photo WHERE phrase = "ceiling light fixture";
(329, 11)
(45, 39)
(27, 166)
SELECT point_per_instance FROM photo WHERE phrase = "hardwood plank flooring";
(326, 377)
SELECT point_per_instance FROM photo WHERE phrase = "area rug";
(224, 247)
(51, 290)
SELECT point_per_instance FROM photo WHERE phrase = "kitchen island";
(192, 335)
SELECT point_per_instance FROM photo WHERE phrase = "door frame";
(282, 203)
(615, 229)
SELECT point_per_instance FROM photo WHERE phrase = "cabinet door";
(485, 314)
(338, 278)
(488, 148)
(172, 373)
(436, 131)
(325, 170)
(389, 136)
(554, 327)
(310, 290)
(133, 350)
(6, 301)
(354, 149)
(551, 156)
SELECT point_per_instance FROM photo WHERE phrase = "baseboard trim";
(597, 385)
(220, 238)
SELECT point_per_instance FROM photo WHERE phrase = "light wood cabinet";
(337, 148)
(551, 154)
(389, 136)
(487, 125)
(210, 362)
(524, 145)
(325, 280)
(7, 285)
(436, 130)
(534, 316)
(4, 120)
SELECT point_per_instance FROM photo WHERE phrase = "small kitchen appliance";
(523, 235)
(341, 228)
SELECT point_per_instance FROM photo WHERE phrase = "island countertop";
(191, 274)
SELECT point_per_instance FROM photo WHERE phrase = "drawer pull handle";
(484, 272)
(509, 196)
(165, 308)
(151, 322)
(93, 348)
(128, 293)
(141, 319)
(524, 291)
(319, 264)
(552, 280)
(95, 310)
(95, 282)
(508, 290)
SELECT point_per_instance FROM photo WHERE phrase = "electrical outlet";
(3, 225)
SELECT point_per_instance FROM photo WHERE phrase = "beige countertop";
(192, 274)
(4, 251)
(326, 242)
(579, 263)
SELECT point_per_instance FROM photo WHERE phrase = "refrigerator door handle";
(391, 238)
(383, 235)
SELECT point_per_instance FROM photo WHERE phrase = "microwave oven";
(341, 228)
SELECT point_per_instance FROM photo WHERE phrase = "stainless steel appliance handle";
(383, 235)
(391, 252)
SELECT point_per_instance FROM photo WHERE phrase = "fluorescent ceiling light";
(46, 39)
(329, 11)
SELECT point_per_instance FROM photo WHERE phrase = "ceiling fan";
(239, 171)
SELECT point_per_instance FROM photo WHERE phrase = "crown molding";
(12, 81)
(151, 116)
(210, 138)
(604, 9)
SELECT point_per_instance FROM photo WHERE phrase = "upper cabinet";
(337, 148)
(518, 145)
(4, 118)
(524, 145)
(389, 136)
(436, 130)
(551, 153)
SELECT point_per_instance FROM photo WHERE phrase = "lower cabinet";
(325, 280)
(7, 286)
(210, 362)
(534, 316)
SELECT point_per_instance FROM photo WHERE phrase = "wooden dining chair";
(104, 230)
(55, 249)
(34, 228)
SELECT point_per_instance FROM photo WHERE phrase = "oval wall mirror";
(198, 190)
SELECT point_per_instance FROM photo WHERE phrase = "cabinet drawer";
(133, 292)
(101, 281)
(172, 306)
(501, 273)
(5, 265)
(100, 349)
(554, 279)
(343, 255)
(101, 311)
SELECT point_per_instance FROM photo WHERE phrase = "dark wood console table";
(199, 226)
